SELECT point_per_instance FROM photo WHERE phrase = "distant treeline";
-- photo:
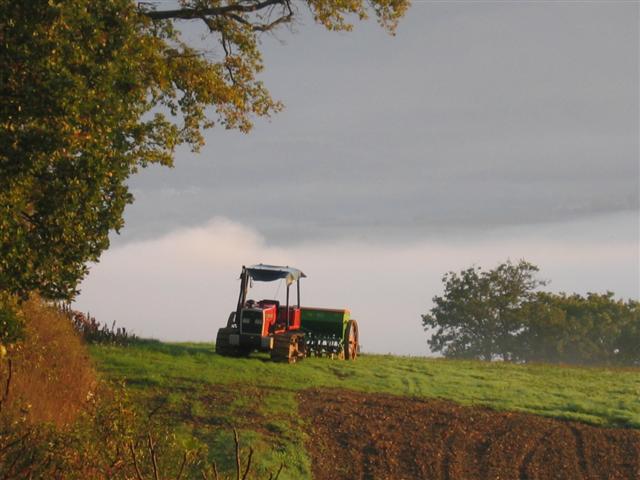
(502, 314)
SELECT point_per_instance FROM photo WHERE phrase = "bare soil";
(375, 436)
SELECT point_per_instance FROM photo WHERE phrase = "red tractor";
(288, 332)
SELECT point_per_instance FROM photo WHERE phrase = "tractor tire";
(223, 346)
(288, 347)
(351, 340)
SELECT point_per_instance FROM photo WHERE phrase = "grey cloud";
(475, 116)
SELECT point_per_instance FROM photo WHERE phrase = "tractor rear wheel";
(351, 345)
(288, 347)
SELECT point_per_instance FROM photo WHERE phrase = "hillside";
(203, 395)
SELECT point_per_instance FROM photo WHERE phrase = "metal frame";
(244, 289)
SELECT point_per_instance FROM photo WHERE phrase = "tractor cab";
(269, 315)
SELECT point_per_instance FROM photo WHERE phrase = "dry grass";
(52, 375)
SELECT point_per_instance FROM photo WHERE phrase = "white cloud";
(182, 286)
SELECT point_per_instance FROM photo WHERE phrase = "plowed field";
(376, 436)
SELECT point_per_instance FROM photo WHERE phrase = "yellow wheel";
(351, 345)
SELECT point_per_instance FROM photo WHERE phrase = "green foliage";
(261, 397)
(11, 320)
(498, 314)
(596, 329)
(92, 90)
(76, 80)
(478, 316)
(628, 342)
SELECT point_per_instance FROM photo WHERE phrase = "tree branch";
(135, 461)
(193, 13)
(264, 27)
(184, 461)
(5, 394)
(154, 459)
(237, 445)
(248, 467)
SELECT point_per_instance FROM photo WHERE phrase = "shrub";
(50, 370)
(93, 331)
(110, 440)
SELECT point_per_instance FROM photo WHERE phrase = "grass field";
(202, 394)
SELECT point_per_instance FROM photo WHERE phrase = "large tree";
(92, 90)
(478, 315)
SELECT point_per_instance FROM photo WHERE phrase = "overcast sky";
(481, 131)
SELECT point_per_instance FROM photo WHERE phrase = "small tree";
(479, 314)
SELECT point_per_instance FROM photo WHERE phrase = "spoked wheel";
(351, 345)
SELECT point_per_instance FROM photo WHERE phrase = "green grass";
(203, 394)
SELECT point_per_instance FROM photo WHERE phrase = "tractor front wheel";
(223, 345)
(351, 345)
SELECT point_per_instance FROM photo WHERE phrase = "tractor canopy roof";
(269, 273)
